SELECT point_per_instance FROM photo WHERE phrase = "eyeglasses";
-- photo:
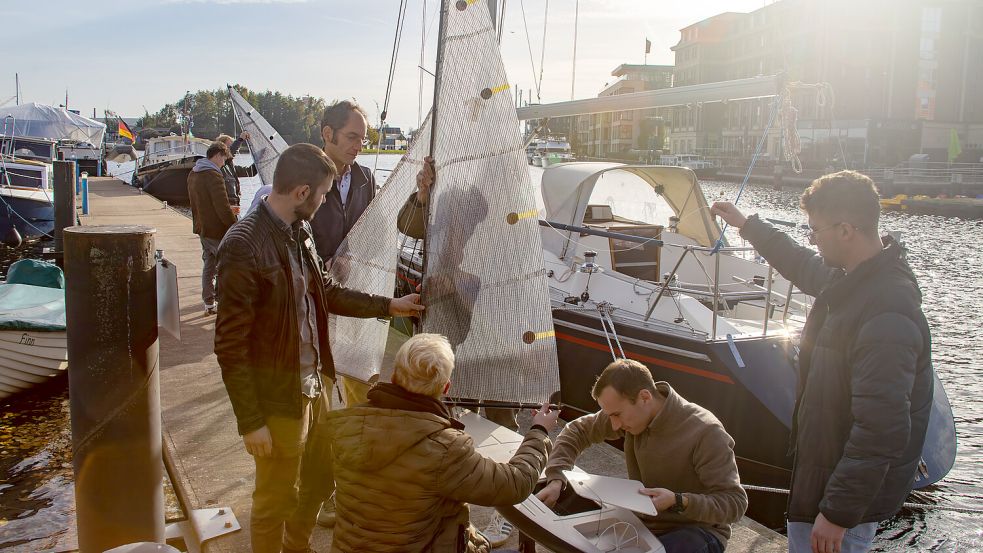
(814, 231)
(354, 137)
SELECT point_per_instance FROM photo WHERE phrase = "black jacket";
(332, 221)
(865, 382)
(256, 334)
(230, 176)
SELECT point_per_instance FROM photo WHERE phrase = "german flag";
(124, 131)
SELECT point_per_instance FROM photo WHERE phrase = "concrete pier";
(198, 424)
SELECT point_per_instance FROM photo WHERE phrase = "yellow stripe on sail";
(530, 336)
(513, 218)
(488, 92)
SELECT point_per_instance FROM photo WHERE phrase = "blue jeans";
(856, 539)
(690, 540)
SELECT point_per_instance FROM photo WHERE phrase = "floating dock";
(211, 466)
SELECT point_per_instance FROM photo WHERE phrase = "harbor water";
(37, 502)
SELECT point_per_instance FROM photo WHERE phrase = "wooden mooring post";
(111, 311)
(64, 200)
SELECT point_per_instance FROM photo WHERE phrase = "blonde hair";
(225, 138)
(424, 365)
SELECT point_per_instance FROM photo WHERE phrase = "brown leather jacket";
(211, 214)
(406, 471)
(256, 334)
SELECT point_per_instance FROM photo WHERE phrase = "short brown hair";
(336, 115)
(217, 148)
(847, 196)
(627, 376)
(224, 138)
(302, 164)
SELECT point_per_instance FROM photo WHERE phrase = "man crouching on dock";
(271, 338)
(676, 448)
(405, 469)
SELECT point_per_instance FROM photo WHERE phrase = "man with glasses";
(865, 367)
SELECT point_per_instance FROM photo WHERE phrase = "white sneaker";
(498, 530)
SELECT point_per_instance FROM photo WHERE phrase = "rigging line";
(423, 48)
(542, 56)
(576, 19)
(400, 18)
(761, 141)
(532, 60)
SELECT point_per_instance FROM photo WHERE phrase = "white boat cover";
(43, 121)
(567, 190)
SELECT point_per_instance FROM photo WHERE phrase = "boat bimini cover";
(26, 307)
(567, 190)
(39, 120)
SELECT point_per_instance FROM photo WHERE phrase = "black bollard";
(111, 301)
(64, 192)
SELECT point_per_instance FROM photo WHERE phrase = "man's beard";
(306, 210)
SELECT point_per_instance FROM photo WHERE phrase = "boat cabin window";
(22, 176)
(630, 199)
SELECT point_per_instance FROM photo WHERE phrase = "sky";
(130, 56)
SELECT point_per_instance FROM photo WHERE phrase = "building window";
(932, 19)
(625, 132)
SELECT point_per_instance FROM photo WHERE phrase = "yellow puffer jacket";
(404, 478)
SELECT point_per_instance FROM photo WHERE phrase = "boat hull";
(168, 181)
(30, 358)
(699, 371)
(31, 217)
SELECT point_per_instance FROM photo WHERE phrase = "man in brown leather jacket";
(271, 338)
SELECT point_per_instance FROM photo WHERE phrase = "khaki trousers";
(316, 477)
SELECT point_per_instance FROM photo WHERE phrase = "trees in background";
(210, 113)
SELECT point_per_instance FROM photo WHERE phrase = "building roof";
(625, 68)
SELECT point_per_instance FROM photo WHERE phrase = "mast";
(438, 71)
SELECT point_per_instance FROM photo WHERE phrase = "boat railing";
(714, 290)
(187, 148)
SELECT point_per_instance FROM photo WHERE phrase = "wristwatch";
(678, 507)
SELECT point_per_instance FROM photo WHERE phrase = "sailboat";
(483, 275)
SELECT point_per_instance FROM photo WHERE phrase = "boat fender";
(12, 238)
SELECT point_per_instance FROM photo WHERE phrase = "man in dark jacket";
(229, 168)
(865, 368)
(271, 338)
(211, 214)
(343, 128)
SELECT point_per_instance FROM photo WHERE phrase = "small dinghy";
(33, 343)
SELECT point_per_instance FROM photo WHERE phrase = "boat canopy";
(567, 190)
(50, 122)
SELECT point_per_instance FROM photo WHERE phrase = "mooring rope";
(907, 504)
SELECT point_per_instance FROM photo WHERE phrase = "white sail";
(485, 285)
(366, 261)
(265, 143)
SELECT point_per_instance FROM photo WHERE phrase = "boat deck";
(199, 429)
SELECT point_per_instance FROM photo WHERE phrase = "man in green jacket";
(406, 470)
(677, 449)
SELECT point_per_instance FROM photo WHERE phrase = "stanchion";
(111, 310)
(85, 193)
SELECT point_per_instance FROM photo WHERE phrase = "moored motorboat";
(26, 180)
(33, 342)
(165, 165)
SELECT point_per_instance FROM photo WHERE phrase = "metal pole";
(716, 292)
(768, 301)
(648, 314)
(85, 193)
(788, 303)
(64, 192)
(576, 18)
(111, 307)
